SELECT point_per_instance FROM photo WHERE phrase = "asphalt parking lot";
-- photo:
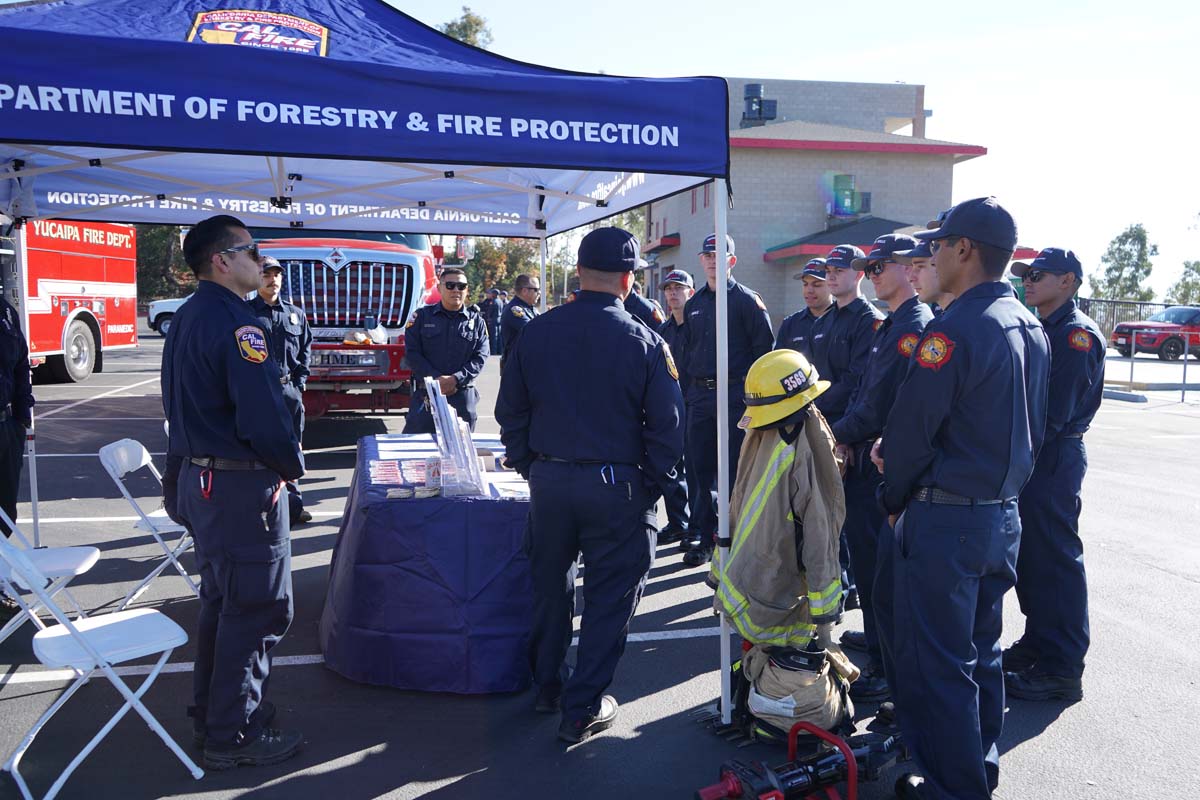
(1131, 736)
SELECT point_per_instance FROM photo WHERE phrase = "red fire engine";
(348, 284)
(75, 283)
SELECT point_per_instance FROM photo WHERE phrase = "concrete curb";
(1121, 394)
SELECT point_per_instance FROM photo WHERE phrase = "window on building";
(693, 201)
(707, 186)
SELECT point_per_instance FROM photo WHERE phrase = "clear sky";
(1090, 111)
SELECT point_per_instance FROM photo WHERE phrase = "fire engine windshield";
(413, 241)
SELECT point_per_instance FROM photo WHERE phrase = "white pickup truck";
(161, 312)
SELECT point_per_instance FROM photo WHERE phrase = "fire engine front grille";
(346, 297)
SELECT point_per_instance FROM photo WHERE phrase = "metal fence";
(1109, 313)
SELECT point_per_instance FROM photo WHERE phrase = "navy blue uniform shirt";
(289, 337)
(15, 389)
(438, 341)
(646, 310)
(670, 332)
(796, 331)
(749, 333)
(513, 319)
(588, 382)
(220, 386)
(970, 416)
(841, 342)
(490, 310)
(1076, 371)
(892, 346)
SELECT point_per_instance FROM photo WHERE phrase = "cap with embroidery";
(842, 256)
(678, 276)
(1052, 259)
(609, 250)
(710, 244)
(815, 268)
(884, 248)
(982, 220)
(270, 262)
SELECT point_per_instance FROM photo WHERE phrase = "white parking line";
(63, 675)
(60, 409)
(109, 419)
(52, 520)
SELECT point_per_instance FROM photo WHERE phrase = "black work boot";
(1019, 657)
(690, 540)
(271, 747)
(854, 640)
(871, 686)
(698, 556)
(911, 787)
(669, 534)
(1036, 684)
(265, 714)
(578, 730)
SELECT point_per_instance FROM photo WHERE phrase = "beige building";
(841, 175)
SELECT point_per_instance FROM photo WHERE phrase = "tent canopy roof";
(333, 114)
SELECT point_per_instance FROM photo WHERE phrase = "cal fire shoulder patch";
(935, 351)
(658, 315)
(907, 344)
(1080, 339)
(666, 348)
(875, 325)
(518, 312)
(758, 299)
(251, 344)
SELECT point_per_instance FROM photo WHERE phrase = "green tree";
(1186, 290)
(497, 262)
(1126, 266)
(470, 28)
(161, 271)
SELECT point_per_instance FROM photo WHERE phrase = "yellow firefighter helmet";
(778, 385)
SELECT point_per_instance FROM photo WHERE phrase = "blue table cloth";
(428, 594)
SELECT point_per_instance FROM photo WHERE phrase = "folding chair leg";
(184, 544)
(144, 585)
(14, 761)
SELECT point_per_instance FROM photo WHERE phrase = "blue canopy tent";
(332, 115)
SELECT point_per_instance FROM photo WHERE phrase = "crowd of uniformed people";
(956, 421)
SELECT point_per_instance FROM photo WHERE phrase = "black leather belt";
(544, 457)
(712, 383)
(933, 494)
(227, 464)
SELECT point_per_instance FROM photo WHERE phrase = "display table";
(428, 594)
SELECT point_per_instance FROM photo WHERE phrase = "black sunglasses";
(877, 267)
(251, 248)
(1033, 275)
(455, 285)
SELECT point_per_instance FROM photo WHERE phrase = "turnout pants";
(12, 454)
(293, 401)
(952, 566)
(700, 447)
(420, 417)
(1051, 581)
(860, 534)
(574, 509)
(243, 551)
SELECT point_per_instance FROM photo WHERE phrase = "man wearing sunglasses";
(449, 343)
(1046, 663)
(233, 436)
(518, 313)
(961, 438)
(892, 347)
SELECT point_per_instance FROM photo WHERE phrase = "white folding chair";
(59, 564)
(120, 459)
(86, 646)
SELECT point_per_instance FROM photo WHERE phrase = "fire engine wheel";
(163, 324)
(1171, 350)
(79, 356)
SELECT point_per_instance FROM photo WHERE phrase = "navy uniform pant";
(1051, 582)
(243, 552)
(12, 453)
(700, 447)
(293, 401)
(860, 533)
(420, 417)
(883, 593)
(676, 496)
(572, 510)
(952, 567)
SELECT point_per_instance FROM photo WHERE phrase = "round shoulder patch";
(1080, 339)
(875, 325)
(758, 299)
(666, 348)
(935, 351)
(907, 344)
(251, 344)
(518, 312)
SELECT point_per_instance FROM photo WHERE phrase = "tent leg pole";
(542, 275)
(721, 227)
(31, 454)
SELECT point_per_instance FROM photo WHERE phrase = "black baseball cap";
(982, 220)
(884, 248)
(1052, 259)
(710, 244)
(843, 256)
(815, 268)
(609, 250)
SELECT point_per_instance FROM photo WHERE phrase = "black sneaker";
(1033, 684)
(854, 640)
(549, 700)
(271, 747)
(871, 685)
(1019, 657)
(689, 541)
(8, 609)
(578, 730)
(265, 712)
(301, 518)
(698, 556)
(669, 534)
